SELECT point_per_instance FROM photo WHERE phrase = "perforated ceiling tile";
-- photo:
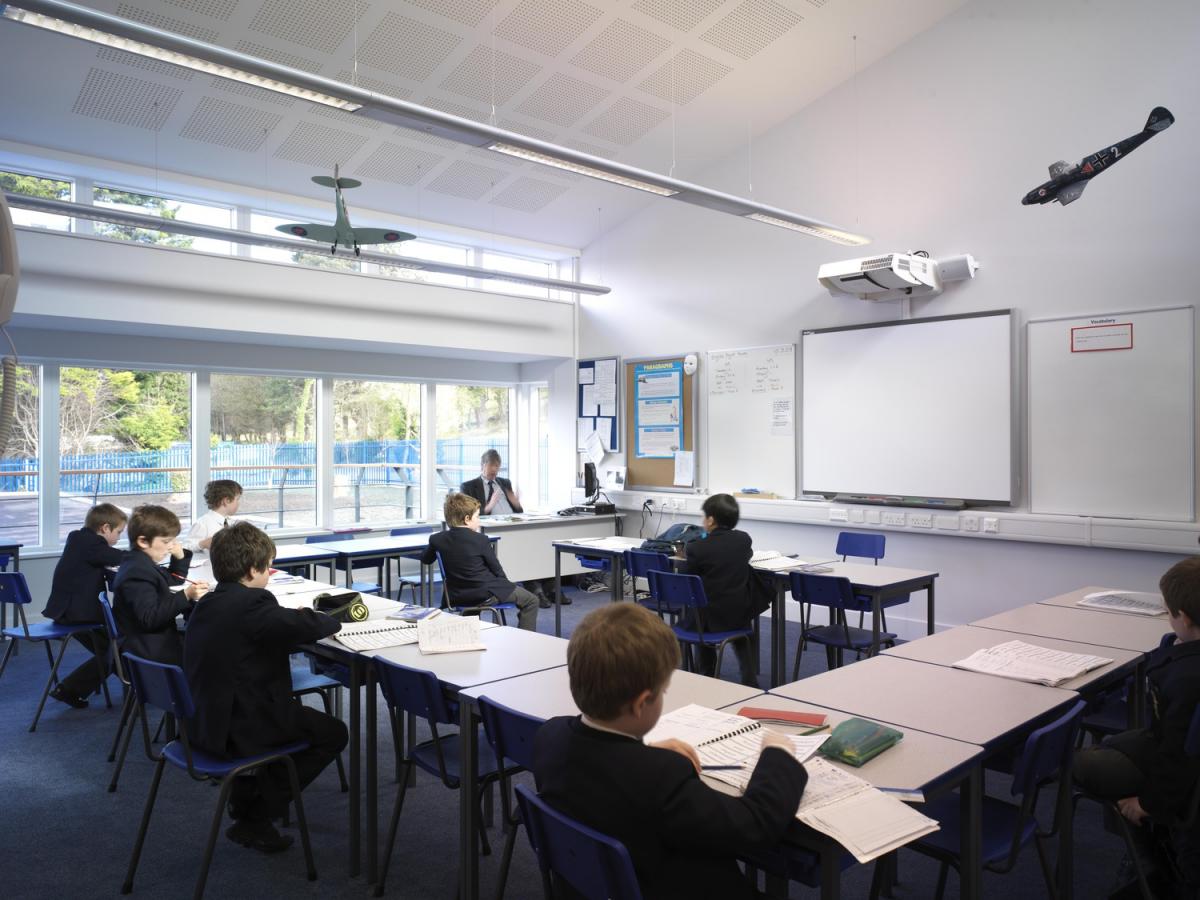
(430, 140)
(468, 12)
(584, 147)
(407, 47)
(319, 145)
(563, 100)
(373, 84)
(319, 24)
(342, 117)
(548, 26)
(490, 76)
(750, 27)
(262, 51)
(398, 164)
(262, 95)
(528, 194)
(685, 78)
(626, 121)
(529, 130)
(682, 14)
(167, 23)
(108, 54)
(217, 9)
(125, 100)
(467, 180)
(486, 157)
(620, 51)
(216, 121)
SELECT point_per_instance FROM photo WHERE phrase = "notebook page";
(449, 634)
(694, 724)
(1136, 602)
(869, 823)
(744, 750)
(1029, 662)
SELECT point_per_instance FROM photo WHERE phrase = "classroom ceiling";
(645, 82)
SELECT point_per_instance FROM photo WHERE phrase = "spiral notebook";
(376, 635)
(725, 739)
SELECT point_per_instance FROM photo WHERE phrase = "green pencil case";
(857, 741)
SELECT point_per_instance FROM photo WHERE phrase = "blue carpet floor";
(63, 836)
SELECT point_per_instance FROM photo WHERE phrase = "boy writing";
(144, 604)
(682, 835)
(1146, 771)
(222, 497)
(473, 573)
(235, 654)
(78, 580)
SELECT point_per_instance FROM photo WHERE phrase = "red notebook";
(786, 716)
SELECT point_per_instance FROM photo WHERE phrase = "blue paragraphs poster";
(658, 409)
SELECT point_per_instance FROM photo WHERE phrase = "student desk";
(546, 694)
(880, 583)
(1056, 618)
(307, 555)
(965, 706)
(13, 550)
(526, 552)
(614, 556)
(921, 762)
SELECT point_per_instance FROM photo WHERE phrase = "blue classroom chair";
(639, 564)
(472, 608)
(684, 592)
(363, 587)
(867, 546)
(837, 595)
(413, 581)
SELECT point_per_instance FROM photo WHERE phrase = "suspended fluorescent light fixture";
(112, 31)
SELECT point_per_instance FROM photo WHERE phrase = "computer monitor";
(591, 487)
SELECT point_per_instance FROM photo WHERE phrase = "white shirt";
(502, 507)
(204, 527)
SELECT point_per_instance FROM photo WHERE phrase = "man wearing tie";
(497, 497)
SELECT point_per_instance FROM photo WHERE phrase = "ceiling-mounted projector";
(895, 276)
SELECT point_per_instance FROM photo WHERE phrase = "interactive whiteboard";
(916, 408)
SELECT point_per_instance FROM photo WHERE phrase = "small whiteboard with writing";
(752, 420)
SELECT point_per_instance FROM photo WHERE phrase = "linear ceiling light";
(114, 216)
(113, 31)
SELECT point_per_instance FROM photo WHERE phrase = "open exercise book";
(863, 819)
(437, 632)
(1136, 603)
(1029, 662)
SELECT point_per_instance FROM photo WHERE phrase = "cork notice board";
(656, 472)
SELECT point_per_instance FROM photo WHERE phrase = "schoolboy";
(682, 835)
(722, 560)
(1146, 771)
(79, 577)
(473, 573)
(144, 604)
(222, 497)
(236, 656)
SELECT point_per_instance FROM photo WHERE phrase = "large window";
(34, 186)
(377, 452)
(123, 439)
(470, 419)
(431, 250)
(150, 205)
(518, 265)
(263, 431)
(20, 477)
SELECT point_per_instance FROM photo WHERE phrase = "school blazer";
(79, 578)
(145, 607)
(472, 570)
(477, 489)
(682, 835)
(235, 654)
(722, 560)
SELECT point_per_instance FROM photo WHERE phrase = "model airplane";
(340, 231)
(1068, 181)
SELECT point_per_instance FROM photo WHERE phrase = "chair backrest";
(1047, 752)
(415, 691)
(327, 538)
(510, 732)
(639, 563)
(854, 543)
(822, 590)
(110, 622)
(596, 865)
(414, 529)
(5, 559)
(160, 685)
(678, 591)
(14, 588)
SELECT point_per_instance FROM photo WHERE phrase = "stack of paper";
(611, 542)
(1028, 662)
(449, 634)
(1136, 603)
(778, 563)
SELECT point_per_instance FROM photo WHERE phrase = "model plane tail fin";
(1160, 119)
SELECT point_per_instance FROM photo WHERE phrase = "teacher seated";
(497, 497)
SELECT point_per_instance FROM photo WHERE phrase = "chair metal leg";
(485, 847)
(127, 886)
(301, 820)
(137, 711)
(126, 707)
(55, 662)
(941, 883)
(12, 645)
(512, 821)
(390, 842)
(341, 769)
(210, 843)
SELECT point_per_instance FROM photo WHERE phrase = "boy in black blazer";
(144, 605)
(236, 656)
(473, 574)
(682, 835)
(722, 560)
(78, 580)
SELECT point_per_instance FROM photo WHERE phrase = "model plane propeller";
(340, 231)
(1068, 181)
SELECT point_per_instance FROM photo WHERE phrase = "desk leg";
(372, 742)
(929, 620)
(349, 573)
(1066, 840)
(831, 870)
(971, 840)
(333, 571)
(876, 611)
(557, 592)
(468, 834)
(1137, 700)
(618, 574)
(356, 671)
(779, 636)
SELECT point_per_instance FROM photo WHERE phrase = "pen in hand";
(719, 768)
(180, 577)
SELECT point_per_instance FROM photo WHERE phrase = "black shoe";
(260, 836)
(564, 600)
(70, 699)
(544, 602)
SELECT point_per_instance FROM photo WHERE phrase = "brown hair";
(150, 522)
(217, 492)
(615, 653)
(105, 514)
(1180, 588)
(459, 507)
(238, 549)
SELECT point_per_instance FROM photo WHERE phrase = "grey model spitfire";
(1067, 181)
(340, 231)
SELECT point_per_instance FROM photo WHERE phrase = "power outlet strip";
(893, 518)
(920, 520)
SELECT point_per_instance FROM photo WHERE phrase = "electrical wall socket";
(991, 525)
(970, 523)
(856, 515)
(946, 523)
(920, 520)
(838, 515)
(873, 517)
(893, 518)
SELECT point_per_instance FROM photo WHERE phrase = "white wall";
(932, 148)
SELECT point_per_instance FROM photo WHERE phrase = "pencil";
(719, 768)
(180, 577)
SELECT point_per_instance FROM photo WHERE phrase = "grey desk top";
(947, 647)
(1084, 626)
(548, 693)
(965, 706)
(285, 552)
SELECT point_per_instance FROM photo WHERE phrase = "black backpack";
(673, 539)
